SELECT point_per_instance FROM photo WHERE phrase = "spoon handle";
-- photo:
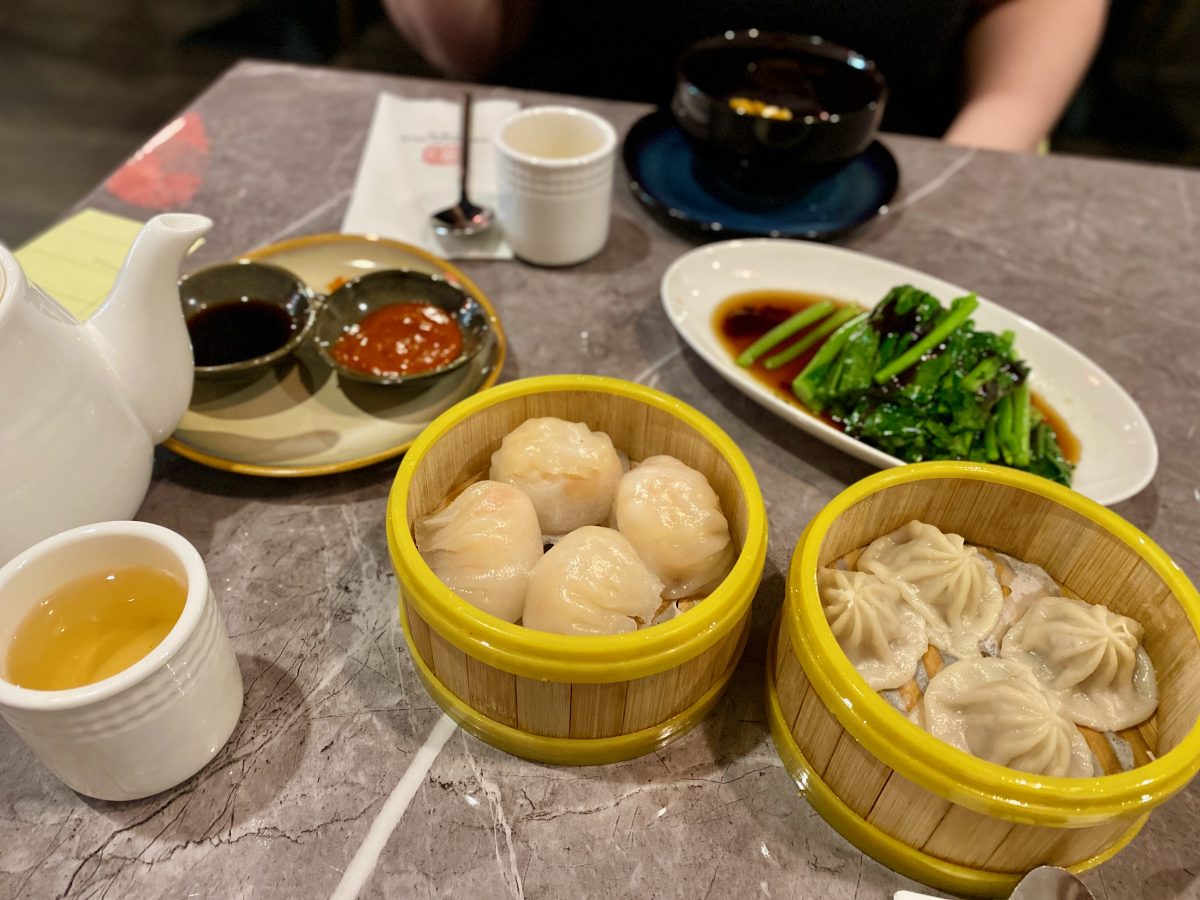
(464, 153)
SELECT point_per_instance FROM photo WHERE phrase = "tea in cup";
(115, 667)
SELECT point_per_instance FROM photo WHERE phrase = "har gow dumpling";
(673, 518)
(882, 636)
(569, 471)
(591, 582)
(483, 546)
(949, 584)
(1090, 657)
(996, 709)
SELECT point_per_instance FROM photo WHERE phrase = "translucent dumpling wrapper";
(1022, 583)
(591, 582)
(672, 516)
(569, 471)
(483, 546)
(997, 710)
(881, 634)
(948, 583)
(1090, 657)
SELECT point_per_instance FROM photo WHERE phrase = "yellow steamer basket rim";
(574, 658)
(951, 773)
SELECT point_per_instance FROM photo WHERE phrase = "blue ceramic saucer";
(667, 178)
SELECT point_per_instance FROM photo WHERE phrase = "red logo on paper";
(169, 170)
(440, 155)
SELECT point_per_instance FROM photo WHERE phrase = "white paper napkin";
(409, 170)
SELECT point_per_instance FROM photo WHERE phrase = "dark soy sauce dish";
(244, 316)
(764, 106)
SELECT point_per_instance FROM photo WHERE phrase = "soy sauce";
(744, 318)
(233, 332)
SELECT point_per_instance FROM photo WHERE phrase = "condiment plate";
(301, 419)
(1119, 455)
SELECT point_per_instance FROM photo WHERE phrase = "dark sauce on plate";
(238, 331)
(743, 318)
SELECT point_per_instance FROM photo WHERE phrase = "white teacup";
(554, 177)
(152, 725)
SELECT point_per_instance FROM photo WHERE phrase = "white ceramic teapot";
(83, 404)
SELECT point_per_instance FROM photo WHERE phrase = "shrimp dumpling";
(591, 582)
(569, 471)
(672, 516)
(1091, 658)
(952, 587)
(483, 546)
(880, 634)
(996, 709)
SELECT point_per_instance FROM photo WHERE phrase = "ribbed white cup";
(554, 175)
(156, 723)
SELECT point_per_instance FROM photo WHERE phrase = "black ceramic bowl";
(763, 105)
(244, 317)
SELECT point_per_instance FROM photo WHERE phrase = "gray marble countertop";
(1104, 254)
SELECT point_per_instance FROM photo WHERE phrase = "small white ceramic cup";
(554, 176)
(156, 723)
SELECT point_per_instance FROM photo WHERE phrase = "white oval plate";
(1118, 454)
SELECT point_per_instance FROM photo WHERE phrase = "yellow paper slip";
(77, 260)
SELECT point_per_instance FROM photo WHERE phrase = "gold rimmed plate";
(301, 419)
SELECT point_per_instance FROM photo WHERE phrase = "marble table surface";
(1105, 254)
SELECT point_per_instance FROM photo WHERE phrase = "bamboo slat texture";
(565, 708)
(1091, 563)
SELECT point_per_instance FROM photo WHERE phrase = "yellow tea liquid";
(94, 627)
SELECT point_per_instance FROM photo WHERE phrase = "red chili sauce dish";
(743, 318)
(400, 339)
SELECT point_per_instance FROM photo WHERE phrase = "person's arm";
(466, 38)
(1024, 59)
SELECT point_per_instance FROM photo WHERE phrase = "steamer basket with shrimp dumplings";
(571, 698)
(922, 807)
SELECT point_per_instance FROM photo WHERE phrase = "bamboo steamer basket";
(922, 807)
(571, 699)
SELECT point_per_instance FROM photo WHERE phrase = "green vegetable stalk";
(783, 331)
(830, 325)
(959, 310)
(808, 384)
(1022, 425)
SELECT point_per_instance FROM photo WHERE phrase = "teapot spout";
(141, 323)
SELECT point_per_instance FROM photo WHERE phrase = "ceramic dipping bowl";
(771, 108)
(922, 807)
(570, 699)
(244, 317)
(344, 310)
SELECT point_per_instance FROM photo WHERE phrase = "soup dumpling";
(951, 585)
(671, 514)
(591, 582)
(880, 634)
(1090, 657)
(569, 471)
(483, 546)
(996, 709)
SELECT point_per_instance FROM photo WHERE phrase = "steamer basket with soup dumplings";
(573, 698)
(923, 807)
